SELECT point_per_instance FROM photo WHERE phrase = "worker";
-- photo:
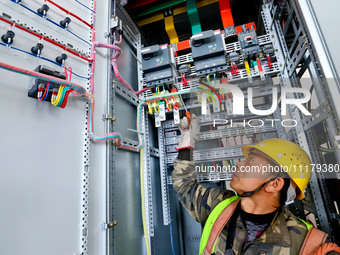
(255, 221)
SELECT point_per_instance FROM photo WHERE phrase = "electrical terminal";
(43, 10)
(36, 50)
(8, 37)
(64, 23)
(54, 94)
(41, 87)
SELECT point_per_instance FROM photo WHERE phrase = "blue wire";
(48, 87)
(85, 6)
(172, 240)
(65, 29)
(171, 235)
(29, 9)
(46, 59)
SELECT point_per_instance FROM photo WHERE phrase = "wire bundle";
(60, 99)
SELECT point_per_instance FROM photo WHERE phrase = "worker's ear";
(275, 185)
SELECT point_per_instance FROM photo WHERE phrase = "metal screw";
(112, 224)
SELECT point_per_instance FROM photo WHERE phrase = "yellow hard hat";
(293, 159)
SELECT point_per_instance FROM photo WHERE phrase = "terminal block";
(208, 52)
(37, 84)
(157, 65)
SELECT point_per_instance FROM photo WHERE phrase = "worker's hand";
(189, 134)
(328, 249)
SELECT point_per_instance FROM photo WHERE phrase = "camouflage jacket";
(284, 236)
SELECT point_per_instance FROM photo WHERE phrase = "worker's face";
(251, 173)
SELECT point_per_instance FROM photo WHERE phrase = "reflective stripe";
(211, 221)
(308, 225)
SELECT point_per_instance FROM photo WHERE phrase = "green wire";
(207, 91)
(193, 16)
(62, 97)
(326, 150)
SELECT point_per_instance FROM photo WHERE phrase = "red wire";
(167, 105)
(269, 62)
(65, 71)
(68, 12)
(141, 91)
(259, 65)
(218, 96)
(40, 99)
(226, 15)
(70, 68)
(45, 39)
(66, 97)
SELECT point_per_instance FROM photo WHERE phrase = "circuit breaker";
(157, 65)
(208, 52)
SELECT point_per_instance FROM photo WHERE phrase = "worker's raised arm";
(198, 200)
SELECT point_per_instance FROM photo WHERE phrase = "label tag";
(162, 116)
(216, 106)
(208, 111)
(229, 106)
(157, 120)
(177, 119)
(204, 104)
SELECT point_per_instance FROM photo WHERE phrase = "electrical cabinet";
(86, 168)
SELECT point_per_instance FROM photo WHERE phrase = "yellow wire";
(170, 29)
(146, 237)
(56, 102)
(246, 64)
(211, 95)
(176, 11)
